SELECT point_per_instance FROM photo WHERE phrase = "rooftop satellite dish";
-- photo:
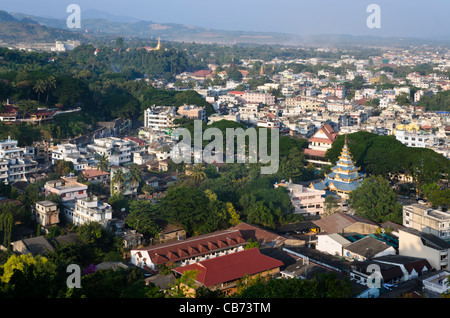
(123, 209)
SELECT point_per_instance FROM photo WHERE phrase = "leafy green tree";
(184, 285)
(321, 286)
(142, 218)
(434, 194)
(6, 226)
(187, 207)
(115, 283)
(375, 200)
(19, 272)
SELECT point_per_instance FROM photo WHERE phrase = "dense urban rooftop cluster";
(119, 175)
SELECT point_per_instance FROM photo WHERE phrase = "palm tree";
(39, 87)
(49, 83)
(135, 176)
(117, 179)
(197, 173)
(103, 163)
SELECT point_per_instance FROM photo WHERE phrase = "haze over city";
(411, 18)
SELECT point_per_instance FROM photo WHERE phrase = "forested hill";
(28, 30)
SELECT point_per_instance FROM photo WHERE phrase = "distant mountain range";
(20, 27)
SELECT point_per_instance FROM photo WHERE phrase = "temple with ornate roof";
(345, 176)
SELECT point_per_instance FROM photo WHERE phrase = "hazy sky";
(412, 18)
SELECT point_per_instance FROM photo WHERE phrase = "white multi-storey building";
(14, 164)
(159, 118)
(416, 139)
(427, 220)
(118, 151)
(86, 210)
(67, 188)
(305, 200)
(70, 152)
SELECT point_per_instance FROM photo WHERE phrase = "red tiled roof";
(361, 101)
(251, 232)
(202, 73)
(94, 173)
(137, 140)
(194, 246)
(328, 131)
(9, 109)
(316, 153)
(231, 267)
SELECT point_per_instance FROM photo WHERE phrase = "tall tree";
(375, 200)
(118, 179)
(49, 83)
(103, 163)
(39, 87)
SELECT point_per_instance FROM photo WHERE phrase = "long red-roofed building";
(222, 273)
(188, 251)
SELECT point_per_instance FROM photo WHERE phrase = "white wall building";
(14, 164)
(86, 210)
(333, 244)
(427, 220)
(419, 244)
(416, 139)
(118, 151)
(70, 152)
(67, 188)
(159, 118)
(305, 200)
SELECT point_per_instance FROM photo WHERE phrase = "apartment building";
(427, 220)
(88, 209)
(125, 187)
(192, 112)
(418, 139)
(159, 118)
(70, 152)
(14, 164)
(67, 188)
(305, 200)
(250, 112)
(415, 243)
(254, 97)
(118, 151)
(46, 213)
